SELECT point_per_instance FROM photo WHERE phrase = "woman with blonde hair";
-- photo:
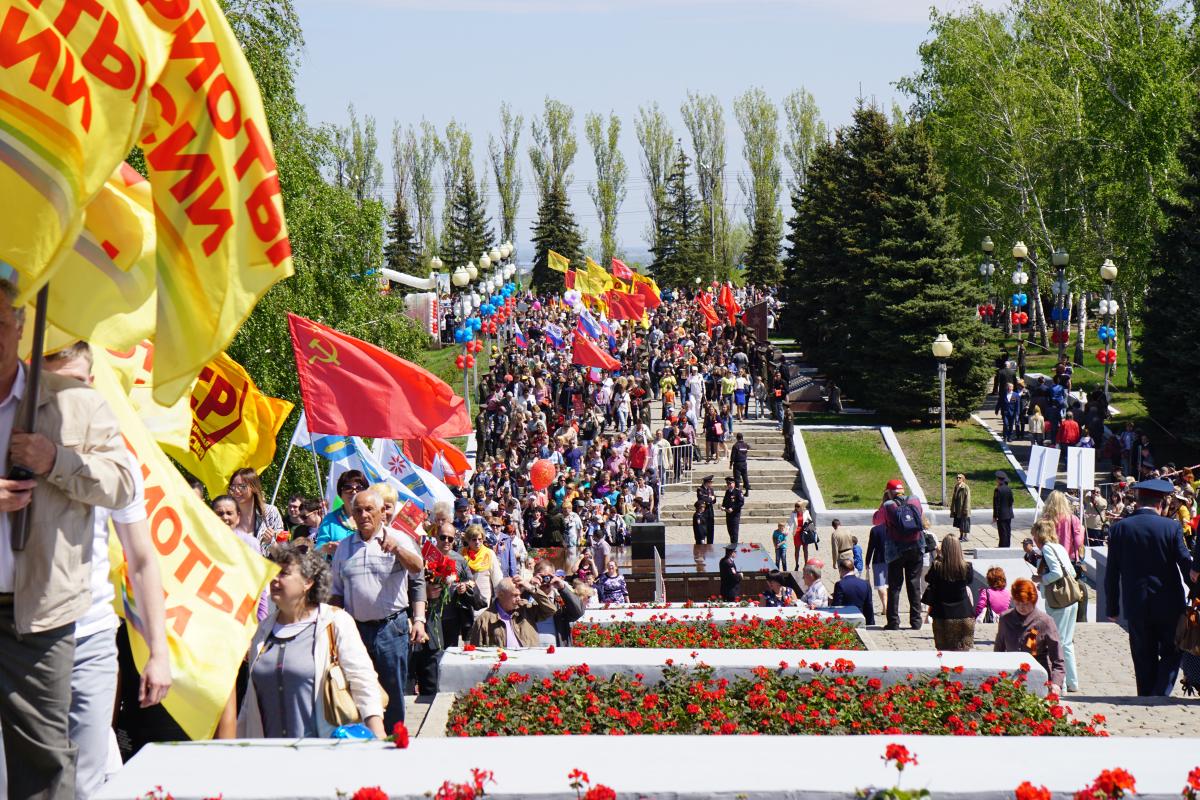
(1055, 565)
(391, 501)
(482, 561)
(948, 595)
(1066, 525)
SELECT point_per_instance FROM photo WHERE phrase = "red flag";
(619, 270)
(569, 279)
(644, 291)
(727, 301)
(353, 388)
(422, 450)
(625, 306)
(585, 353)
(704, 300)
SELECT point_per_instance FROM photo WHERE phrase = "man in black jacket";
(852, 590)
(706, 495)
(732, 501)
(731, 578)
(1002, 509)
(1147, 565)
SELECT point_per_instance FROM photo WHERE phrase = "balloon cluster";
(1106, 356)
(1060, 314)
(1108, 307)
(1107, 334)
(987, 311)
(1020, 278)
(465, 362)
(1020, 318)
(1060, 337)
(1020, 299)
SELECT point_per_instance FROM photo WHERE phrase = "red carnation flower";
(503, 656)
(468, 647)
(400, 735)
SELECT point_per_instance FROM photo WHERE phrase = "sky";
(401, 61)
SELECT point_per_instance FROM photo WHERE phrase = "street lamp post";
(1060, 288)
(987, 269)
(1108, 322)
(1019, 317)
(942, 349)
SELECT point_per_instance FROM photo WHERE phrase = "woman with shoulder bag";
(1057, 578)
(309, 670)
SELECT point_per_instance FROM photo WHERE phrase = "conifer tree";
(678, 256)
(1170, 325)
(555, 230)
(401, 252)
(468, 228)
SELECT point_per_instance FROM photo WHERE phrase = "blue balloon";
(476, 323)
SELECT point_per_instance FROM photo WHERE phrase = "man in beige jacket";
(509, 621)
(78, 461)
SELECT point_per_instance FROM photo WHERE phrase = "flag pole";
(282, 469)
(21, 524)
(317, 472)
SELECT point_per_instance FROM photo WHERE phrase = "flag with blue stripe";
(555, 334)
(519, 337)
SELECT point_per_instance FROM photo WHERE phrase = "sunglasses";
(357, 487)
(446, 538)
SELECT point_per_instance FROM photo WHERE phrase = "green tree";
(468, 230)
(873, 217)
(555, 230)
(678, 259)
(705, 120)
(422, 156)
(805, 130)
(1169, 317)
(401, 252)
(608, 190)
(759, 120)
(554, 147)
(507, 171)
(657, 143)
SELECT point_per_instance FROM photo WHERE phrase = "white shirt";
(101, 616)
(8, 416)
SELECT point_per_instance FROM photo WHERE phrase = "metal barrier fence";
(675, 465)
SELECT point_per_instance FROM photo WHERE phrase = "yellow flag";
(222, 241)
(76, 84)
(211, 580)
(233, 425)
(556, 262)
(171, 426)
(598, 277)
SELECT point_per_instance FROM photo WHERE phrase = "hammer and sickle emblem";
(328, 353)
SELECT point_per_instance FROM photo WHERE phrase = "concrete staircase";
(774, 489)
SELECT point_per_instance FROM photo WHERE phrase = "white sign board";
(1043, 467)
(1081, 468)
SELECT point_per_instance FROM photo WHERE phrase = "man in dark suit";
(1002, 509)
(708, 497)
(732, 501)
(731, 578)
(1147, 562)
(852, 590)
(1008, 406)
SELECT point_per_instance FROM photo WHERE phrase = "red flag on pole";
(619, 270)
(625, 306)
(569, 279)
(353, 388)
(585, 353)
(647, 294)
(729, 303)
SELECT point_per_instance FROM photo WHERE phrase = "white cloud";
(863, 10)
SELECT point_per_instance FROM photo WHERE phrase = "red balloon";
(470, 361)
(1102, 356)
(541, 474)
(1112, 356)
(460, 362)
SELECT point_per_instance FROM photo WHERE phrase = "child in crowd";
(858, 557)
(779, 539)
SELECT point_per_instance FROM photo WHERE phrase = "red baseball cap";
(895, 484)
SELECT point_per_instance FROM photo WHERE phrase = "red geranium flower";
(1193, 782)
(600, 792)
(468, 647)
(370, 793)
(503, 656)
(1027, 791)
(899, 753)
(550, 649)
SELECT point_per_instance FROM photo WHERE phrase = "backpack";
(909, 526)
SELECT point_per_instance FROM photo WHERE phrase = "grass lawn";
(852, 467)
(969, 450)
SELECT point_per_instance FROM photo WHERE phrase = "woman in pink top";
(996, 597)
(1068, 527)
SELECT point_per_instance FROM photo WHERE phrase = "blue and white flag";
(519, 337)
(327, 446)
(588, 324)
(555, 334)
(358, 456)
(421, 483)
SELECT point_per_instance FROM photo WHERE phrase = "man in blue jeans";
(904, 553)
(372, 576)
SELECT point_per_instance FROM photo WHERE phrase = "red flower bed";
(783, 633)
(782, 701)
